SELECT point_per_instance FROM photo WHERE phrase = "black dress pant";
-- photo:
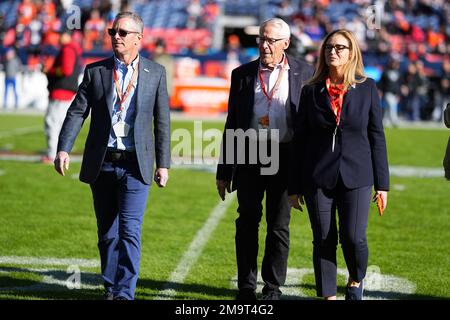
(251, 187)
(353, 210)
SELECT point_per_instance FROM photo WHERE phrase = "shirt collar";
(277, 66)
(121, 65)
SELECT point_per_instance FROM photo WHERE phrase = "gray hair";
(133, 16)
(280, 24)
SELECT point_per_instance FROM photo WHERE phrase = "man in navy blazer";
(130, 129)
(264, 95)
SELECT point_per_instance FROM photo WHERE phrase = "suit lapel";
(347, 98)
(107, 79)
(323, 101)
(143, 80)
(249, 84)
(294, 79)
(322, 97)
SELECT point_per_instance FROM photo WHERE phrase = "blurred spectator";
(441, 94)
(26, 11)
(286, 10)
(62, 86)
(414, 90)
(12, 66)
(358, 28)
(47, 11)
(195, 11)
(413, 29)
(314, 30)
(35, 34)
(50, 32)
(233, 50)
(211, 11)
(389, 86)
(300, 40)
(94, 30)
(161, 56)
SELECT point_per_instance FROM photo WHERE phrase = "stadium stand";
(405, 30)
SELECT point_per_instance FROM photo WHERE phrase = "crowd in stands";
(409, 35)
(403, 39)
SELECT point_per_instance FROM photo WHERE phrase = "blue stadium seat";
(83, 3)
(147, 14)
(9, 11)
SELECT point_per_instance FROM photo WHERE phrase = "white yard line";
(195, 249)
(34, 261)
(418, 172)
(395, 171)
(20, 131)
(30, 158)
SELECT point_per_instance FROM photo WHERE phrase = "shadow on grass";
(373, 294)
(183, 290)
(46, 283)
(30, 284)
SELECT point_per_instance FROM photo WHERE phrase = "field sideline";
(48, 237)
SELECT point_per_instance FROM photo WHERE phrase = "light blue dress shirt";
(124, 74)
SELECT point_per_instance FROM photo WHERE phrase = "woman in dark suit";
(340, 153)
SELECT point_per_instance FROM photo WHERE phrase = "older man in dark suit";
(125, 95)
(264, 96)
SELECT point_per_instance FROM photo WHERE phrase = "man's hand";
(161, 177)
(61, 162)
(296, 201)
(223, 185)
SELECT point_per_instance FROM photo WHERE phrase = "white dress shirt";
(278, 108)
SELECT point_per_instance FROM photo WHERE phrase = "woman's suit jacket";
(359, 154)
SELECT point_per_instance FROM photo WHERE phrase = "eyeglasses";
(261, 40)
(337, 47)
(122, 33)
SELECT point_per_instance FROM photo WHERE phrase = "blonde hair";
(353, 70)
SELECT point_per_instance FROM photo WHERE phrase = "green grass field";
(46, 216)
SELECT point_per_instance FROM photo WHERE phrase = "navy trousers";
(251, 188)
(353, 210)
(120, 197)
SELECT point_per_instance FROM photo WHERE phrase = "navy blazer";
(242, 97)
(359, 155)
(95, 95)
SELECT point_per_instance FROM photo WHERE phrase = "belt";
(119, 155)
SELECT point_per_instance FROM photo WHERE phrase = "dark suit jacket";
(360, 149)
(95, 95)
(242, 96)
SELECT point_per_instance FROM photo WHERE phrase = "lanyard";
(123, 96)
(336, 100)
(277, 83)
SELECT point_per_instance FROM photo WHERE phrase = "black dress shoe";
(108, 295)
(271, 296)
(354, 293)
(246, 294)
(120, 298)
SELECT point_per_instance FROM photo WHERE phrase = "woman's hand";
(384, 197)
(296, 201)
